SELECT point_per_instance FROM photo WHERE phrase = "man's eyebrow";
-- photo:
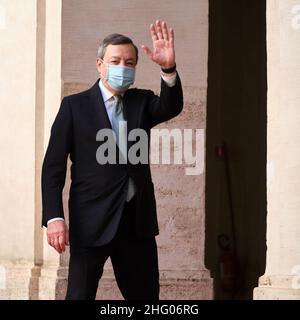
(116, 57)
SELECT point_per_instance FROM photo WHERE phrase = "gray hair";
(114, 39)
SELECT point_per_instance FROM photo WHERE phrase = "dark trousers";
(134, 261)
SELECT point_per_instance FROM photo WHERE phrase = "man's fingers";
(165, 31)
(171, 36)
(50, 242)
(57, 240)
(147, 51)
(158, 30)
(57, 232)
(56, 245)
(61, 242)
(153, 32)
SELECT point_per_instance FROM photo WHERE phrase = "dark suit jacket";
(97, 191)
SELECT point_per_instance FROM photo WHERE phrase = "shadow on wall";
(235, 250)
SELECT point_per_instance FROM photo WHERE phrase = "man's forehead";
(120, 49)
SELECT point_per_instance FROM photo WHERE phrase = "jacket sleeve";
(55, 164)
(166, 106)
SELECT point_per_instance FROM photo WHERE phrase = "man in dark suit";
(112, 208)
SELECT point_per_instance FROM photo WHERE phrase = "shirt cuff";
(54, 219)
(169, 80)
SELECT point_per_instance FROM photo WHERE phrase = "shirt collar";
(106, 94)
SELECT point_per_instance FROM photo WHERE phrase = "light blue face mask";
(119, 77)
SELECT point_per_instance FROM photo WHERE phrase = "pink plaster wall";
(180, 198)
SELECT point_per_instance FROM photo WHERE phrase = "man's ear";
(98, 64)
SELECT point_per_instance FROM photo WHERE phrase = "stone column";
(30, 60)
(53, 273)
(281, 280)
(18, 100)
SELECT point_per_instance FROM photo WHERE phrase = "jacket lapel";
(98, 107)
(100, 113)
